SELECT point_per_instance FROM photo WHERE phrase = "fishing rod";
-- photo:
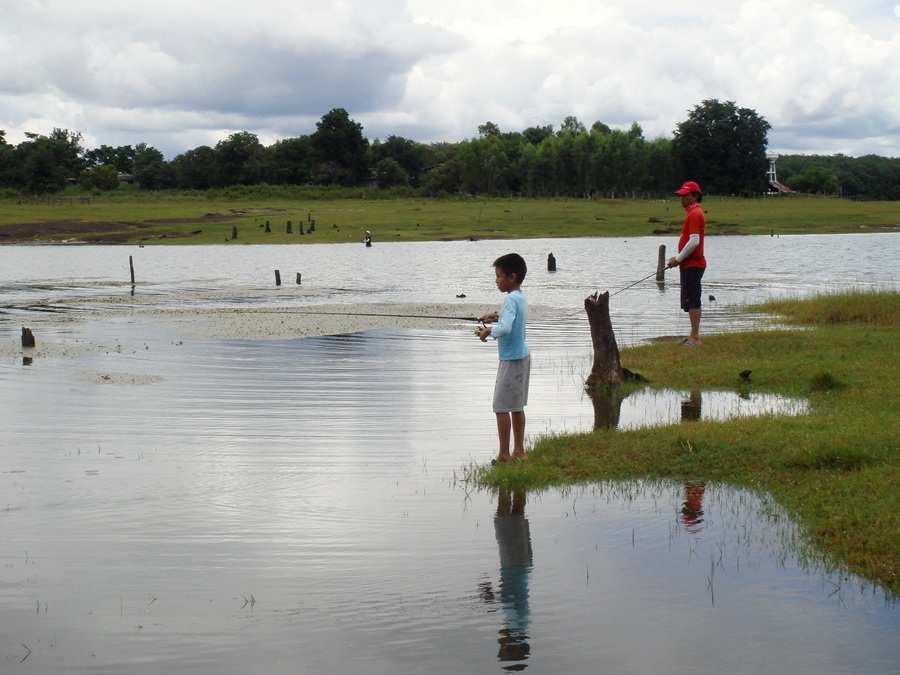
(397, 316)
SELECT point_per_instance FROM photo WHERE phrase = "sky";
(181, 74)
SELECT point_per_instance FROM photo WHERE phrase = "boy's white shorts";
(511, 388)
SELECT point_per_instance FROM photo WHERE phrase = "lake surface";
(175, 504)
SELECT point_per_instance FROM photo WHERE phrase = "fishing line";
(393, 316)
(634, 284)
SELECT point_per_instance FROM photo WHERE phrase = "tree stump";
(27, 337)
(551, 263)
(607, 367)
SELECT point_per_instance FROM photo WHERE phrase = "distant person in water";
(514, 370)
(690, 259)
(368, 240)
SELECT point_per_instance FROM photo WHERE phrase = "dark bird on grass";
(744, 375)
(712, 298)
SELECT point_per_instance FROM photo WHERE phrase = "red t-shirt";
(694, 223)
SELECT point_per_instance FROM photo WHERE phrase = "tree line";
(720, 145)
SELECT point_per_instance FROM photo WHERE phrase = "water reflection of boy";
(692, 510)
(514, 544)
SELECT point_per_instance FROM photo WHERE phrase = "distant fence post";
(298, 278)
(277, 278)
(131, 267)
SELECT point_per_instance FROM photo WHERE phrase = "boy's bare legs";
(511, 422)
(518, 429)
(504, 425)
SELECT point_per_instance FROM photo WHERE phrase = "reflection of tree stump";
(607, 408)
(607, 368)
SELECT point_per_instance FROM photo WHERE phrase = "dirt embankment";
(97, 232)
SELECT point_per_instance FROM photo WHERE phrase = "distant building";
(772, 177)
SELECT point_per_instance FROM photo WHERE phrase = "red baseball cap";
(690, 186)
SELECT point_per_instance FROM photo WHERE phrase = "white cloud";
(182, 74)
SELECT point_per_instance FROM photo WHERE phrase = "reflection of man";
(514, 543)
(692, 510)
(692, 407)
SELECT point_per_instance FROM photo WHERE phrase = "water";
(174, 504)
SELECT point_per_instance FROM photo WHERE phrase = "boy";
(514, 371)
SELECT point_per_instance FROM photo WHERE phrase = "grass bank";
(835, 470)
(208, 218)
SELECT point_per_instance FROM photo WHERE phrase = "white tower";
(770, 175)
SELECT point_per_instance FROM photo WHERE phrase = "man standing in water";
(690, 258)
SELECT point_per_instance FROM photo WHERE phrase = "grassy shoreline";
(835, 470)
(209, 219)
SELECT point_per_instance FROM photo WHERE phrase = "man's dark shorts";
(690, 287)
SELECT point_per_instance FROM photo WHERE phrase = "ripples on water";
(291, 505)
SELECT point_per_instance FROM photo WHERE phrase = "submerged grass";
(835, 470)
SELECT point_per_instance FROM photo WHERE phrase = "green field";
(205, 219)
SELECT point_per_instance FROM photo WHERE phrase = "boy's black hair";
(512, 263)
(699, 196)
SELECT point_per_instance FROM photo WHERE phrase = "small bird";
(712, 298)
(745, 375)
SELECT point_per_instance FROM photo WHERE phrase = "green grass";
(146, 217)
(835, 470)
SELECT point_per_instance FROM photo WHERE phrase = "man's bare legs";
(694, 315)
(511, 422)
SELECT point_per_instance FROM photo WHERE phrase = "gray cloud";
(182, 74)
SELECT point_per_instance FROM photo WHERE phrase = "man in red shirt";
(690, 259)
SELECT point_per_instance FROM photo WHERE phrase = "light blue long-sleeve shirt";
(510, 329)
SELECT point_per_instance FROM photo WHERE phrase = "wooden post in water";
(298, 278)
(551, 263)
(661, 265)
(277, 278)
(131, 267)
(27, 337)
(607, 367)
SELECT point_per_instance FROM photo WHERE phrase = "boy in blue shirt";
(514, 371)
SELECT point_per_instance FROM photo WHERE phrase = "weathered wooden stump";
(298, 278)
(551, 263)
(27, 337)
(661, 265)
(278, 277)
(606, 370)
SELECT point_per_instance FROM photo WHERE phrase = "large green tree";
(723, 147)
(239, 158)
(339, 149)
